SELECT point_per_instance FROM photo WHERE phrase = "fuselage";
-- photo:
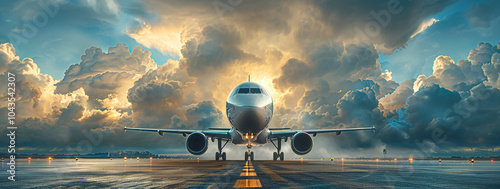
(249, 109)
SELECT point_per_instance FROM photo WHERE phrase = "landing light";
(251, 136)
(50, 158)
(125, 158)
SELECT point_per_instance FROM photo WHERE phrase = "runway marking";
(248, 182)
(248, 174)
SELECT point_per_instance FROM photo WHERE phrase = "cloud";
(463, 75)
(482, 14)
(34, 91)
(329, 61)
(104, 7)
(492, 70)
(397, 99)
(103, 75)
(216, 49)
(454, 107)
(424, 26)
(445, 118)
(289, 23)
(387, 24)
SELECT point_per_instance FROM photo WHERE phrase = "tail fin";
(248, 78)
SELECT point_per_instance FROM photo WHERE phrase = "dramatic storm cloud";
(319, 59)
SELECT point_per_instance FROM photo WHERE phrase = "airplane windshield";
(243, 90)
(255, 90)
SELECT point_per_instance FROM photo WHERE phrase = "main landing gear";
(278, 155)
(220, 154)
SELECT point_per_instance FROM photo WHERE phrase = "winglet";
(248, 78)
(125, 129)
(374, 128)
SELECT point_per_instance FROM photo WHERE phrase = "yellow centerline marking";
(248, 183)
(248, 174)
(248, 171)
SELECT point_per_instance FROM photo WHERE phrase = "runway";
(166, 173)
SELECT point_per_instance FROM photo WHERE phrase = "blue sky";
(452, 36)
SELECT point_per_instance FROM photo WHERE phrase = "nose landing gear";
(220, 154)
(249, 156)
(278, 155)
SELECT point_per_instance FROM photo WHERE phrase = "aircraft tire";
(224, 156)
(282, 156)
(217, 156)
(251, 156)
(246, 156)
(275, 156)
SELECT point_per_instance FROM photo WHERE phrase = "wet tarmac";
(166, 173)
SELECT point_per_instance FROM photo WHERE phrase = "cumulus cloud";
(397, 99)
(54, 121)
(465, 73)
(104, 75)
(492, 71)
(452, 108)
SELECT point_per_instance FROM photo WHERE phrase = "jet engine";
(302, 143)
(197, 143)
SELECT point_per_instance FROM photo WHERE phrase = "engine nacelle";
(302, 143)
(197, 143)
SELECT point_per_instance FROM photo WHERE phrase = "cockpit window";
(255, 90)
(244, 90)
(249, 90)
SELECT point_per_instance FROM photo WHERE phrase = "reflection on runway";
(161, 173)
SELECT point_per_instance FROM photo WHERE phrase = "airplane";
(249, 109)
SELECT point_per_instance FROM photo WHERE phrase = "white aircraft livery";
(249, 108)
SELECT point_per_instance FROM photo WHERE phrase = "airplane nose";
(250, 120)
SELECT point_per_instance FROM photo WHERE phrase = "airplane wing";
(284, 134)
(219, 133)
